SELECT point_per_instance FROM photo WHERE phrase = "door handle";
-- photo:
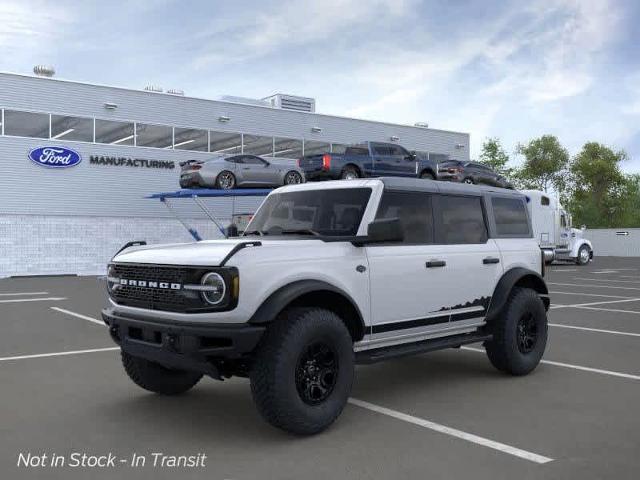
(490, 260)
(436, 263)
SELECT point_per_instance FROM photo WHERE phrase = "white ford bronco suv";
(328, 275)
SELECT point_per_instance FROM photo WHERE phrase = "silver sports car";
(226, 172)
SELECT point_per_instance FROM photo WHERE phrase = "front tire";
(303, 371)
(584, 255)
(468, 181)
(225, 180)
(158, 379)
(519, 334)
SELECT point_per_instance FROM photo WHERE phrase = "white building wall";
(53, 245)
(615, 242)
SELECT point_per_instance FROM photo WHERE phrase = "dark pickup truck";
(369, 159)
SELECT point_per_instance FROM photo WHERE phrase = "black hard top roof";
(422, 185)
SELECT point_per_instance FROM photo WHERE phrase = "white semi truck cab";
(553, 229)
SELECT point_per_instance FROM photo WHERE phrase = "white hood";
(207, 253)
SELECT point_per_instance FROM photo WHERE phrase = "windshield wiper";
(254, 232)
(301, 231)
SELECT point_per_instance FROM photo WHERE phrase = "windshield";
(331, 212)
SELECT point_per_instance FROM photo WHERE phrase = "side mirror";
(384, 230)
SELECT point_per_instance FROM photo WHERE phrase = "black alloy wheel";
(316, 373)
(527, 333)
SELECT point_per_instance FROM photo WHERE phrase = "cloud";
(29, 25)
(292, 23)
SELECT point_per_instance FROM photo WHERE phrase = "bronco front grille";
(175, 300)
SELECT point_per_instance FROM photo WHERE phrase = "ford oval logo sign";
(55, 157)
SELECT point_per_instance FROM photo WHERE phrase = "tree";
(602, 195)
(545, 164)
(495, 157)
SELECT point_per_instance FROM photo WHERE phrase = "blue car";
(369, 159)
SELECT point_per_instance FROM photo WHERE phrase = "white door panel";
(409, 297)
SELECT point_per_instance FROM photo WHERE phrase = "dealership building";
(127, 144)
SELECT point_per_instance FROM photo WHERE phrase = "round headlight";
(215, 288)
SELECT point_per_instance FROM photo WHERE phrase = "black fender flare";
(521, 277)
(281, 298)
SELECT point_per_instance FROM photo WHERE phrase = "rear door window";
(510, 216)
(460, 220)
(414, 212)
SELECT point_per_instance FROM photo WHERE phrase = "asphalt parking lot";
(447, 414)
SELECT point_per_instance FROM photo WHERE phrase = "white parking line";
(58, 354)
(615, 310)
(577, 305)
(19, 300)
(469, 437)
(588, 294)
(593, 286)
(22, 293)
(607, 280)
(574, 367)
(596, 330)
(78, 315)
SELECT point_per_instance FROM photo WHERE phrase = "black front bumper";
(191, 347)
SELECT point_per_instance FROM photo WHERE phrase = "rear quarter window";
(510, 215)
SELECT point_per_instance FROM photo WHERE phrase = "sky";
(508, 69)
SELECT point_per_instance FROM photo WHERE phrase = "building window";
(190, 139)
(26, 124)
(312, 147)
(338, 148)
(257, 145)
(114, 133)
(287, 148)
(225, 143)
(71, 128)
(157, 136)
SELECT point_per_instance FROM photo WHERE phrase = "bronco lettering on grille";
(150, 284)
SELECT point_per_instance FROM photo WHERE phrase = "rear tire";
(225, 180)
(293, 178)
(584, 255)
(303, 371)
(349, 173)
(158, 379)
(519, 334)
(427, 176)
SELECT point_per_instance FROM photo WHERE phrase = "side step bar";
(380, 354)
